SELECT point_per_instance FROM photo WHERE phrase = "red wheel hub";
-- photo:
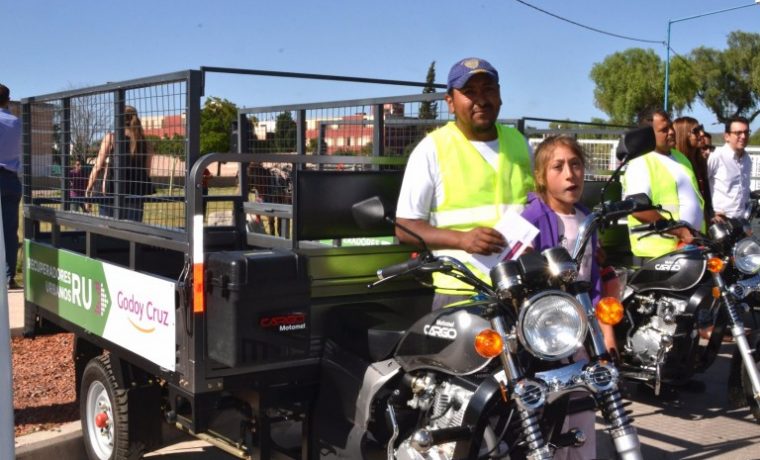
(101, 420)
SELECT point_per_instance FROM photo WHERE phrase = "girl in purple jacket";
(559, 169)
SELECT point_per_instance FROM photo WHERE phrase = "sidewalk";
(16, 311)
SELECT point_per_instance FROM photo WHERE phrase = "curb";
(63, 443)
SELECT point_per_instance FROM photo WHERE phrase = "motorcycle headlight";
(747, 255)
(552, 325)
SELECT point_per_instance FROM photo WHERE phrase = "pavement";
(693, 425)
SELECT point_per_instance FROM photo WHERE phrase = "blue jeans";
(10, 194)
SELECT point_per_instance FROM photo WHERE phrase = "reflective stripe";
(489, 213)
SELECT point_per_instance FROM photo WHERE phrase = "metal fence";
(123, 151)
(118, 151)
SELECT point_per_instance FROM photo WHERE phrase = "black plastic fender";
(486, 399)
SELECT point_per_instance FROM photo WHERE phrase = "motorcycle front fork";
(737, 332)
(621, 429)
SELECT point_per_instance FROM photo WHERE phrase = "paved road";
(695, 425)
(690, 425)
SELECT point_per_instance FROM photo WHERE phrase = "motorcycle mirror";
(640, 200)
(371, 214)
(635, 143)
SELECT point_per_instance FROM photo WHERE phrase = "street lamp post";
(667, 45)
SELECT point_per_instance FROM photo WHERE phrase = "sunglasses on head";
(697, 129)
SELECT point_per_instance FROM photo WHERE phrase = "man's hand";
(482, 240)
(683, 234)
(719, 218)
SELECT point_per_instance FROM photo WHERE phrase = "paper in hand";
(518, 232)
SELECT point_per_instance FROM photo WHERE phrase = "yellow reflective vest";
(476, 195)
(665, 193)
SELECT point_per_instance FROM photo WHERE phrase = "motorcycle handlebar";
(656, 226)
(397, 269)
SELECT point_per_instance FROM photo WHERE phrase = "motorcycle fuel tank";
(676, 271)
(444, 340)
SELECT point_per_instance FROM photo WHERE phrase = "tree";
(728, 82)
(217, 117)
(285, 133)
(174, 146)
(627, 82)
(429, 109)
(89, 119)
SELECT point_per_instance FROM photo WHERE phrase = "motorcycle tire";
(103, 410)
(754, 404)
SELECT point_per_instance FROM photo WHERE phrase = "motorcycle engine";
(445, 404)
(657, 319)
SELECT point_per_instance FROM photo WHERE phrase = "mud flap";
(144, 408)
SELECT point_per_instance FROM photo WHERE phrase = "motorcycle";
(680, 306)
(489, 378)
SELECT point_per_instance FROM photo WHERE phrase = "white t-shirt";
(637, 180)
(422, 188)
(729, 179)
(567, 228)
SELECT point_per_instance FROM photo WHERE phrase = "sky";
(544, 63)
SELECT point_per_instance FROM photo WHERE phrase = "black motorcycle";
(680, 307)
(490, 378)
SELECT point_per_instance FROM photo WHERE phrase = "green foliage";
(285, 133)
(166, 146)
(628, 82)
(429, 110)
(217, 116)
(755, 138)
(729, 81)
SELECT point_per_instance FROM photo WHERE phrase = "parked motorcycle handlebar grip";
(397, 269)
(656, 226)
(641, 228)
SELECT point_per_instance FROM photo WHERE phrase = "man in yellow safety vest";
(461, 178)
(667, 177)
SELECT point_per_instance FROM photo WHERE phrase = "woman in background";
(688, 139)
(135, 179)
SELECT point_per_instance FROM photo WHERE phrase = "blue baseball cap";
(461, 72)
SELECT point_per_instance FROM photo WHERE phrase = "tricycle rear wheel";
(103, 410)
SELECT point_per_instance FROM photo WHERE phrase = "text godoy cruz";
(78, 290)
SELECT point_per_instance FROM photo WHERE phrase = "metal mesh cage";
(116, 154)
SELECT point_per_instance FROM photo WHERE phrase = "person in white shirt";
(637, 179)
(462, 177)
(728, 170)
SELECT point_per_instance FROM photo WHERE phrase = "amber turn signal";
(488, 343)
(609, 310)
(715, 264)
(716, 292)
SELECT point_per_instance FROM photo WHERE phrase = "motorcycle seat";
(368, 330)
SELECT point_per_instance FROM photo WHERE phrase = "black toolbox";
(257, 307)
